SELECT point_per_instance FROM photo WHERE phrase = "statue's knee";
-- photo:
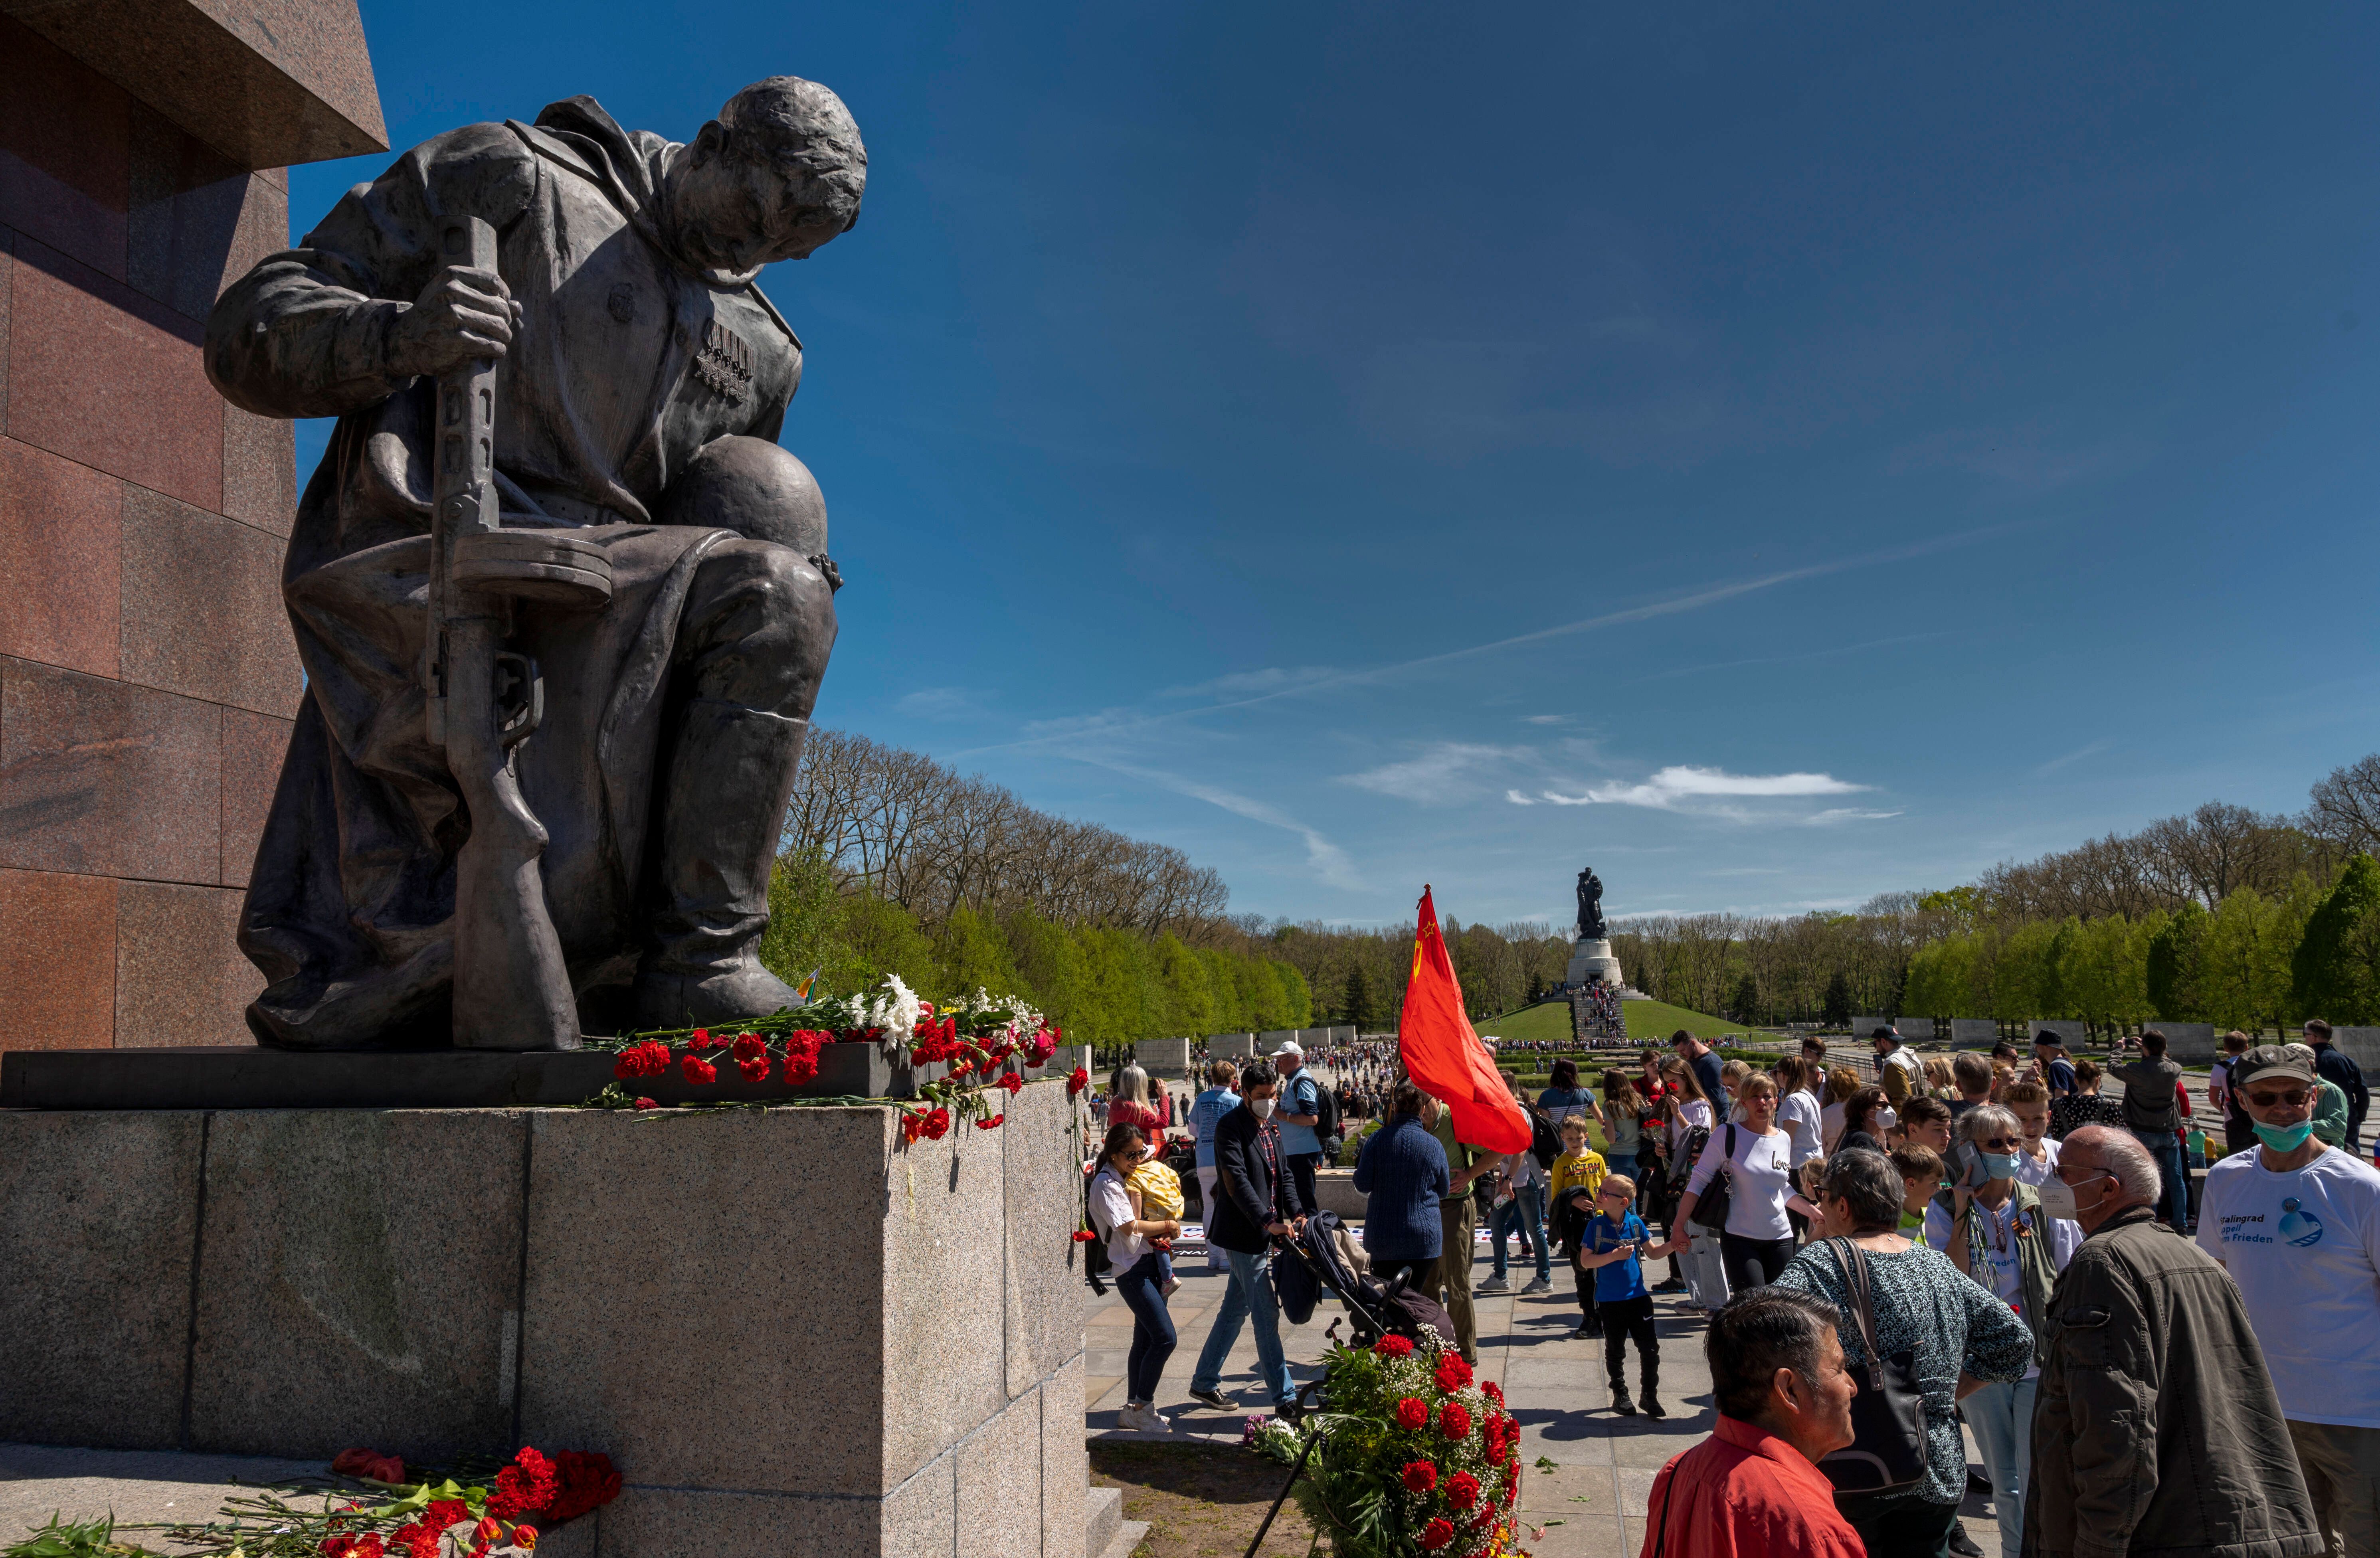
(768, 590)
(752, 486)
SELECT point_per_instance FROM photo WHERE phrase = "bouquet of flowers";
(1418, 1457)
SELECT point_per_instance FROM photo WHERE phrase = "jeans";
(2001, 1416)
(1301, 1174)
(2174, 1169)
(1152, 1328)
(1249, 1292)
(1206, 1204)
(1752, 1262)
(1524, 1213)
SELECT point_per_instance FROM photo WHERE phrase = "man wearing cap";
(2297, 1223)
(1897, 1070)
(1301, 1111)
(2338, 1068)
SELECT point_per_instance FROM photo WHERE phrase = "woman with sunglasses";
(1998, 1234)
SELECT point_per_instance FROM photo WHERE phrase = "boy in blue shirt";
(1609, 1248)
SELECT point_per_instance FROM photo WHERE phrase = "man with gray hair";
(2153, 1389)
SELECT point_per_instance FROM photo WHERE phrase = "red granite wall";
(147, 674)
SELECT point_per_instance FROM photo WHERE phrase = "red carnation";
(990, 1123)
(1412, 1412)
(419, 1540)
(755, 1069)
(1420, 1476)
(647, 1059)
(588, 1479)
(1453, 1420)
(938, 1124)
(701, 1036)
(526, 1486)
(801, 1068)
(443, 1513)
(748, 1045)
(1084, 1236)
(1393, 1347)
(1010, 1082)
(1079, 1080)
(1435, 1535)
(369, 1464)
(1495, 1392)
(1462, 1489)
(698, 1069)
(644, 1103)
(912, 1123)
(1452, 1372)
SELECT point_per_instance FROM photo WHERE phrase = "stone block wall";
(792, 1336)
(147, 678)
(1969, 1032)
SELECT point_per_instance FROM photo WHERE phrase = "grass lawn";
(1648, 1020)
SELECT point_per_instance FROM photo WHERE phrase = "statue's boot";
(730, 774)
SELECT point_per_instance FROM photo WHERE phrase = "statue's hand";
(463, 316)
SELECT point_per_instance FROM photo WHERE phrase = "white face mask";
(2059, 1201)
(1883, 1119)
(1261, 1108)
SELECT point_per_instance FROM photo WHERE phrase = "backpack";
(1545, 1141)
(1096, 1263)
(1326, 1112)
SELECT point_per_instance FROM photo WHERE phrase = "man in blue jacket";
(1256, 1200)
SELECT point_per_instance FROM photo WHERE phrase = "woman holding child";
(1141, 1274)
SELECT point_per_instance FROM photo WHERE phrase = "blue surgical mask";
(1999, 1165)
(2285, 1138)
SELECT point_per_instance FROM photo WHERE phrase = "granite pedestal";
(2068, 1031)
(1591, 958)
(793, 1335)
(1969, 1032)
(1167, 1059)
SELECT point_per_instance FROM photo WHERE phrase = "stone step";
(1106, 1533)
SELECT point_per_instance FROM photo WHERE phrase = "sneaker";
(1675, 1285)
(1214, 1398)
(1961, 1543)
(1541, 1285)
(1151, 1420)
(1619, 1402)
(1587, 1331)
(1653, 1408)
(1493, 1284)
(1978, 1483)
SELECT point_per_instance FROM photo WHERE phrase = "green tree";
(1297, 999)
(2171, 970)
(2336, 972)
(2244, 961)
(806, 930)
(1355, 1003)
(1746, 1005)
(1120, 998)
(1837, 1009)
(975, 955)
(1185, 996)
(1050, 963)
(885, 938)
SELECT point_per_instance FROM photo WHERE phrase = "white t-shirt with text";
(2304, 1248)
(1758, 1183)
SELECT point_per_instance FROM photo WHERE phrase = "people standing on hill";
(2153, 1389)
(2297, 1224)
(1998, 1234)
(2153, 1105)
(2338, 1068)
(1217, 1100)
(2084, 1105)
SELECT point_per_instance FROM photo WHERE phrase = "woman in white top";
(1139, 1276)
(1758, 1237)
(1696, 1250)
(1797, 1109)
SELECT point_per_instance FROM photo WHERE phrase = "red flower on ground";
(443, 1513)
(913, 1124)
(698, 1069)
(525, 1536)
(1412, 1412)
(369, 1464)
(1454, 1420)
(1435, 1535)
(1452, 1372)
(1393, 1347)
(1495, 1392)
(526, 1486)
(588, 1479)
(644, 1103)
(1010, 1082)
(938, 1124)
(419, 1540)
(1462, 1490)
(1420, 1476)
(487, 1529)
(751, 1047)
(1075, 1082)
(990, 1124)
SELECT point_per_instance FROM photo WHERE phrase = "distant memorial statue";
(564, 604)
(1590, 906)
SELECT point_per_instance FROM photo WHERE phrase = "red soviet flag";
(1441, 1052)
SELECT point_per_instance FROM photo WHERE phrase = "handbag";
(1710, 1212)
(1887, 1450)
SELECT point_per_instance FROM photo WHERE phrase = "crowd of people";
(1974, 1239)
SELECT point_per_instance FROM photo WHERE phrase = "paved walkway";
(1592, 1506)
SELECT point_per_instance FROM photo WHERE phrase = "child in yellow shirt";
(1156, 1191)
(1579, 1164)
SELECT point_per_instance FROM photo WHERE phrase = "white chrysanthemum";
(895, 1009)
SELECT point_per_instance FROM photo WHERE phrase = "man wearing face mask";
(2153, 1387)
(1255, 1201)
(2297, 1224)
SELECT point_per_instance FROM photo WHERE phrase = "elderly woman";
(1402, 1172)
(1137, 1275)
(1998, 1234)
(1959, 1336)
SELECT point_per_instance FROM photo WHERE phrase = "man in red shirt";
(1753, 1488)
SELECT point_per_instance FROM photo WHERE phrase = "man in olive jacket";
(2169, 1441)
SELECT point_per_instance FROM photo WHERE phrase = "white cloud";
(1518, 798)
(1670, 787)
(1545, 718)
(1442, 773)
(944, 703)
(1329, 860)
(1271, 679)
(1846, 814)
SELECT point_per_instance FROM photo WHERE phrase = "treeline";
(893, 864)
(2225, 916)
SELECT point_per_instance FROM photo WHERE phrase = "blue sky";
(1776, 455)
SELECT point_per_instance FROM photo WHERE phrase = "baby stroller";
(1313, 1260)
